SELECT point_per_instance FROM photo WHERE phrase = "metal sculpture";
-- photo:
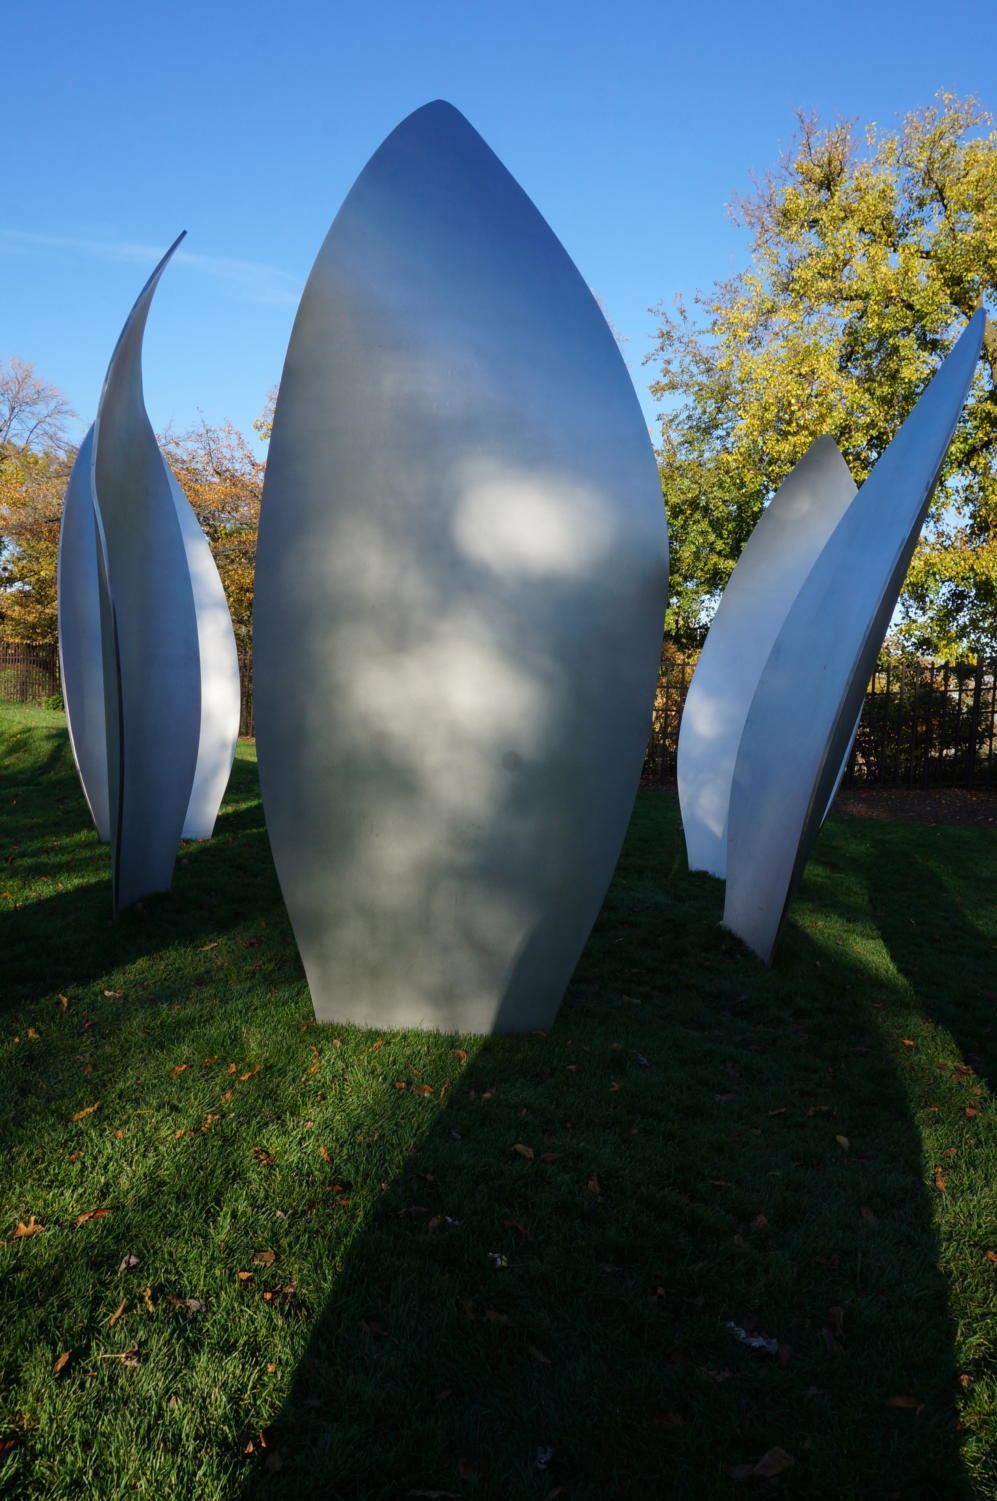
(150, 674)
(462, 549)
(80, 651)
(770, 572)
(810, 693)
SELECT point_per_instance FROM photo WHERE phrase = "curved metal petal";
(778, 555)
(460, 591)
(152, 678)
(79, 638)
(220, 699)
(810, 694)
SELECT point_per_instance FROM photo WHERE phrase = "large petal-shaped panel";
(219, 660)
(810, 693)
(460, 592)
(778, 555)
(79, 638)
(152, 677)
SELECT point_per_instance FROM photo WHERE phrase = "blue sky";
(630, 125)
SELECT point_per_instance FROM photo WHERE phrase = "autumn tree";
(869, 253)
(35, 460)
(222, 478)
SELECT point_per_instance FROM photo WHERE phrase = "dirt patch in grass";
(961, 807)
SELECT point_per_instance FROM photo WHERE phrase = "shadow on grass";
(711, 1145)
(541, 1303)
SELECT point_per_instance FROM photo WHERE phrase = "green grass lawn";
(291, 1261)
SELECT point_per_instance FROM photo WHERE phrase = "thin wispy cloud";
(252, 281)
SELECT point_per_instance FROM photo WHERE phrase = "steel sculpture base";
(810, 693)
(462, 550)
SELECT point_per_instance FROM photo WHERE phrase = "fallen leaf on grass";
(116, 1315)
(908, 1042)
(939, 1180)
(249, 1073)
(208, 946)
(968, 1110)
(965, 1382)
(460, 1053)
(34, 1034)
(88, 1111)
(911, 1403)
(63, 1002)
(115, 995)
(843, 1142)
(524, 1151)
(147, 1296)
(400, 1084)
(263, 1157)
(126, 1262)
(991, 1255)
(774, 1463)
(192, 1305)
(425, 1089)
(265, 1258)
(178, 1068)
(61, 1363)
(550, 1156)
(33, 1227)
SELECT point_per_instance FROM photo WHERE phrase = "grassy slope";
(712, 1143)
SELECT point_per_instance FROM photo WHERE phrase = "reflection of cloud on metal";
(462, 549)
(253, 280)
(150, 673)
(779, 554)
(810, 694)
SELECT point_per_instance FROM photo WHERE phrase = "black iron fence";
(29, 673)
(924, 724)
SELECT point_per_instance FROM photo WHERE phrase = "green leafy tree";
(868, 256)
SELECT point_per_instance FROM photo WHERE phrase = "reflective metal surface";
(460, 593)
(79, 638)
(779, 554)
(810, 693)
(152, 678)
(219, 663)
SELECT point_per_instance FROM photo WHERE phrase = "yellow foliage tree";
(868, 257)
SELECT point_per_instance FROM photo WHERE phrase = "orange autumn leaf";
(62, 1362)
(116, 1315)
(908, 1042)
(325, 1154)
(33, 1227)
(88, 1111)
(90, 1214)
(178, 1068)
(147, 1295)
(63, 1002)
(523, 1150)
(992, 1255)
(939, 1180)
(249, 1073)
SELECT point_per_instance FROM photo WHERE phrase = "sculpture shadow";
(548, 1303)
(930, 920)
